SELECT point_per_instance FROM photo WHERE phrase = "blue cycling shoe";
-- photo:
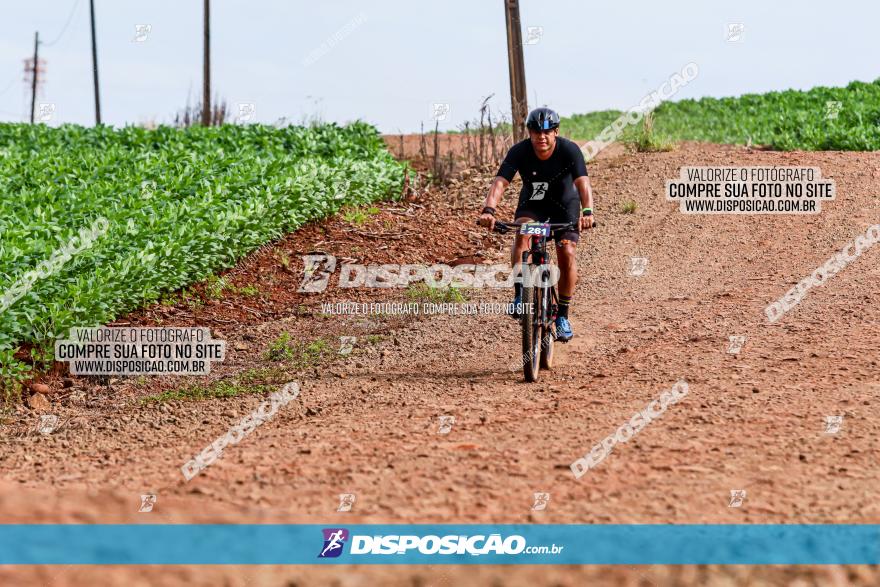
(514, 310)
(563, 330)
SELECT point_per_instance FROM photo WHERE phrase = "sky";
(389, 62)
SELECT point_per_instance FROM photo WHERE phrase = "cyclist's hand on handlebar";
(587, 222)
(487, 220)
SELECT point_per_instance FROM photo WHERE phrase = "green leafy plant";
(280, 348)
(822, 118)
(180, 205)
(628, 207)
(13, 374)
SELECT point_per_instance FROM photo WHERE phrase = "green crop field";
(845, 119)
(169, 207)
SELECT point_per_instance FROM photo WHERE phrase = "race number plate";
(535, 229)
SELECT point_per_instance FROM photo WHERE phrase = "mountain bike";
(539, 297)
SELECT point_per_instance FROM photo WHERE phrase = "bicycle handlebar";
(503, 227)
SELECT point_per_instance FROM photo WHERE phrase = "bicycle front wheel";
(531, 333)
(548, 335)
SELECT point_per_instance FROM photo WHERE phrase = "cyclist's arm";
(582, 182)
(506, 171)
(585, 191)
(496, 190)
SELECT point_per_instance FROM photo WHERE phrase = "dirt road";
(368, 423)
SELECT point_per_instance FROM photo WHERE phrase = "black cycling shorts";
(569, 210)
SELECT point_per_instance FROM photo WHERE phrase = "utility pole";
(206, 89)
(519, 106)
(95, 66)
(34, 79)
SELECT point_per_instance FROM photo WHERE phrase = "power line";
(7, 88)
(67, 24)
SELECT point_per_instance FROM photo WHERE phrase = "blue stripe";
(301, 544)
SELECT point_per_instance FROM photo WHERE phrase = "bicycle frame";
(540, 258)
(539, 296)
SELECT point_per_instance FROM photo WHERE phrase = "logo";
(347, 344)
(317, 270)
(736, 344)
(735, 32)
(346, 501)
(246, 111)
(832, 109)
(141, 32)
(541, 501)
(446, 423)
(319, 267)
(440, 110)
(833, 424)
(47, 110)
(638, 266)
(737, 497)
(148, 188)
(334, 540)
(539, 190)
(147, 503)
(534, 34)
(47, 424)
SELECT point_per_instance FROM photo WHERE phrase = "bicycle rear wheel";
(531, 333)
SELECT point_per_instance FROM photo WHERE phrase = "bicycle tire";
(548, 337)
(531, 334)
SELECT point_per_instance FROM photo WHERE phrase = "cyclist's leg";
(567, 261)
(521, 243)
(566, 244)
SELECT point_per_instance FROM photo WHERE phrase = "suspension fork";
(538, 255)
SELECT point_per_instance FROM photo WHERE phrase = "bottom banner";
(439, 544)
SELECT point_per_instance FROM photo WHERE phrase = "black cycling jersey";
(552, 179)
(548, 193)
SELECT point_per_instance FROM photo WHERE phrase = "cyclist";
(555, 189)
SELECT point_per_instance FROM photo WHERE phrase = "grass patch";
(628, 207)
(422, 292)
(219, 389)
(216, 287)
(359, 216)
(250, 382)
(647, 141)
(283, 258)
(265, 375)
(247, 290)
(299, 355)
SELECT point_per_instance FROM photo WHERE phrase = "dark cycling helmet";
(542, 119)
